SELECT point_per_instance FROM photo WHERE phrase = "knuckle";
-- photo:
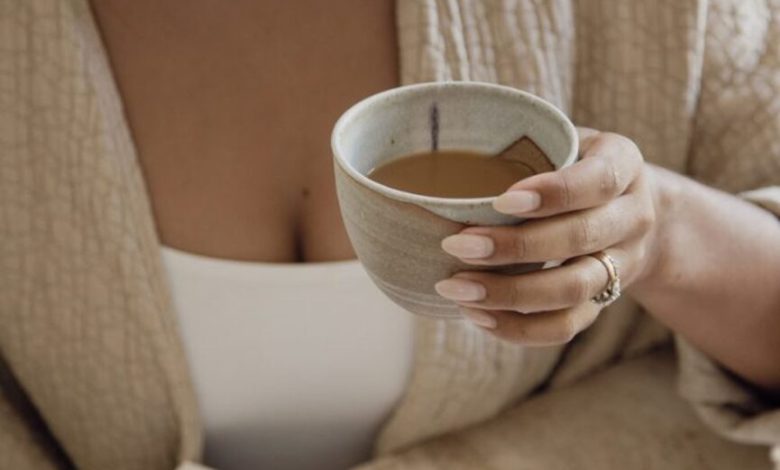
(584, 237)
(516, 294)
(561, 190)
(520, 245)
(612, 182)
(566, 191)
(646, 220)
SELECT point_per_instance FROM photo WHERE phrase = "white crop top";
(296, 366)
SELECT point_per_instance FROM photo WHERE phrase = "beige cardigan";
(92, 371)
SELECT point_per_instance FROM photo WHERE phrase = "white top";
(296, 366)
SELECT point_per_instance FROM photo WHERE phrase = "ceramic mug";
(396, 234)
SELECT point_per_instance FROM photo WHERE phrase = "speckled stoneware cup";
(397, 235)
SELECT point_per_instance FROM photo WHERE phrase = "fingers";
(545, 329)
(558, 238)
(563, 294)
(550, 289)
(594, 205)
(609, 164)
(575, 282)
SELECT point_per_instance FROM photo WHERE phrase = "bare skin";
(231, 106)
(681, 247)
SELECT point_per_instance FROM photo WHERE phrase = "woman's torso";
(231, 107)
(81, 233)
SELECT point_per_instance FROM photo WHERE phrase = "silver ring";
(612, 291)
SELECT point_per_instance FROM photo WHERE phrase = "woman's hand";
(604, 202)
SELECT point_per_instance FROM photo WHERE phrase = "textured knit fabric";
(93, 374)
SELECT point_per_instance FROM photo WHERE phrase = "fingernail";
(480, 318)
(517, 202)
(460, 289)
(468, 246)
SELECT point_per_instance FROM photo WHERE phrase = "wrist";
(666, 189)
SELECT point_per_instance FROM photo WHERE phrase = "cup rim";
(405, 196)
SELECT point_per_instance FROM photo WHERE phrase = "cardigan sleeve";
(627, 416)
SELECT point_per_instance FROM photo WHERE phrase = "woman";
(204, 128)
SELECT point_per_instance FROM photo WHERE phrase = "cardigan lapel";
(94, 343)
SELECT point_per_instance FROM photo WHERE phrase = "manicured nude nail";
(460, 290)
(468, 246)
(517, 202)
(480, 318)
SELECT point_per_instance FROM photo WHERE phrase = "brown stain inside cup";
(525, 152)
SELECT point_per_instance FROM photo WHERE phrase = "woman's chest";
(231, 108)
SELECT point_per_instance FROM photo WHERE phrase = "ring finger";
(574, 283)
